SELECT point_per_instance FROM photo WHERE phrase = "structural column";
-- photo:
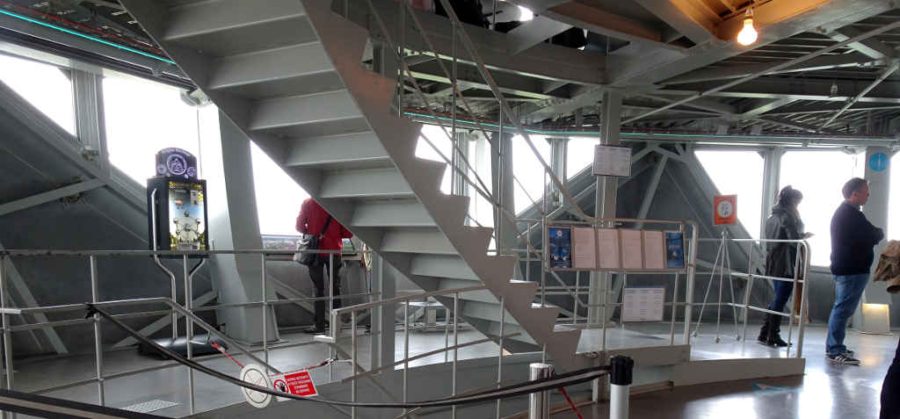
(503, 189)
(234, 224)
(90, 127)
(878, 173)
(558, 151)
(605, 203)
(771, 182)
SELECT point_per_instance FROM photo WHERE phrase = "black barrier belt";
(50, 407)
(521, 389)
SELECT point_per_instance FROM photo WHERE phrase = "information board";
(643, 304)
(611, 161)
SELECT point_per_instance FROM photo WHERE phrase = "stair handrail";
(419, 91)
(506, 110)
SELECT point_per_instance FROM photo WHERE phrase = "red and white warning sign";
(298, 383)
(724, 209)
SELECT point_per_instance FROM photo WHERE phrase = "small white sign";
(611, 161)
(643, 304)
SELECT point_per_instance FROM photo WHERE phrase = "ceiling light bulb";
(748, 34)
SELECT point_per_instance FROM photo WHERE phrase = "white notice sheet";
(632, 250)
(584, 254)
(654, 250)
(608, 248)
(643, 304)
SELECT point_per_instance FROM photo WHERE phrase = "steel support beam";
(558, 150)
(737, 71)
(20, 287)
(535, 32)
(776, 67)
(650, 192)
(691, 19)
(884, 74)
(871, 47)
(767, 107)
(49, 196)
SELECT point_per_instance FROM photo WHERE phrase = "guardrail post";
(620, 377)
(539, 402)
(98, 343)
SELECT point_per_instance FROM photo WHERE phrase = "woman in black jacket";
(781, 259)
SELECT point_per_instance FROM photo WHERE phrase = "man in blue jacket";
(852, 240)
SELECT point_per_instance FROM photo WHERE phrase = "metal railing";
(452, 321)
(174, 308)
(800, 290)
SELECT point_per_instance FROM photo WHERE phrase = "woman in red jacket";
(314, 220)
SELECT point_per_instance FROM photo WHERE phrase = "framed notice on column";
(608, 254)
(632, 249)
(584, 249)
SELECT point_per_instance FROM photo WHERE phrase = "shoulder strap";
(325, 227)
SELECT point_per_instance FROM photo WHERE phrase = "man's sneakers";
(845, 358)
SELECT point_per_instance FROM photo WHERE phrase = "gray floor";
(825, 390)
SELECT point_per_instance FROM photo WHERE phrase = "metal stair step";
(286, 71)
(347, 151)
(227, 27)
(453, 267)
(391, 213)
(320, 114)
(416, 240)
(364, 183)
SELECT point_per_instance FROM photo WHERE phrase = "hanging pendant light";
(748, 34)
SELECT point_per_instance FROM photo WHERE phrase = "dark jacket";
(852, 239)
(781, 258)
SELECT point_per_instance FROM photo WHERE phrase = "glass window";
(893, 227)
(439, 140)
(143, 117)
(738, 173)
(528, 171)
(48, 88)
(278, 197)
(580, 154)
(821, 191)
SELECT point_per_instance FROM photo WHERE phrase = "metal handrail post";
(189, 329)
(7, 335)
(455, 349)
(674, 309)
(750, 252)
(689, 283)
(405, 353)
(804, 299)
(353, 361)
(335, 322)
(98, 342)
(264, 308)
(500, 354)
(154, 223)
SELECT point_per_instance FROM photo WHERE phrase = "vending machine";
(176, 203)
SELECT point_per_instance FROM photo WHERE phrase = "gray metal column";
(503, 188)
(605, 202)
(771, 182)
(384, 285)
(458, 185)
(558, 148)
(234, 224)
(878, 173)
(89, 124)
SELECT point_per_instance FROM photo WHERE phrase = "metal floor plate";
(150, 406)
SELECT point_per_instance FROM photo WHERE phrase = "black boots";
(769, 334)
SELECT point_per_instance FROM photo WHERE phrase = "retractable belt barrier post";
(619, 386)
(539, 402)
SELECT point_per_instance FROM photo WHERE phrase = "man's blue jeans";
(847, 292)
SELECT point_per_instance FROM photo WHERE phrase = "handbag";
(305, 254)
